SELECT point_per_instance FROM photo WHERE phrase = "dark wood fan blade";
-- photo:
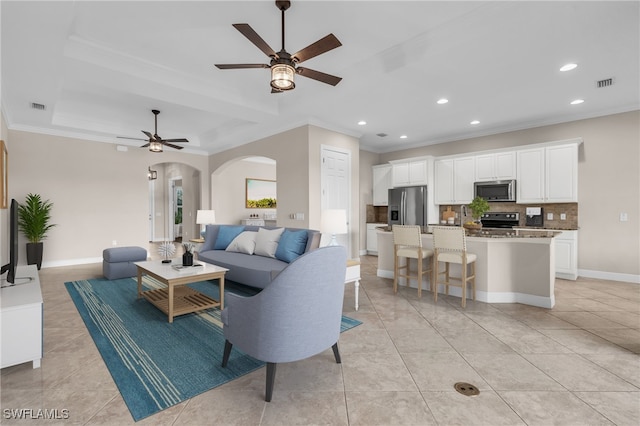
(172, 145)
(149, 135)
(237, 66)
(320, 76)
(321, 46)
(175, 140)
(133, 139)
(145, 145)
(254, 38)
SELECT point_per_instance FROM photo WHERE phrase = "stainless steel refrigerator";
(408, 206)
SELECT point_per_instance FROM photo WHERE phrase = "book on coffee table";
(180, 268)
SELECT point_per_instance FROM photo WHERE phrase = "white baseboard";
(612, 276)
(71, 262)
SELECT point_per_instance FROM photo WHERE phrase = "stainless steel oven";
(498, 190)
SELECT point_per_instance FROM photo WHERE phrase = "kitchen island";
(512, 266)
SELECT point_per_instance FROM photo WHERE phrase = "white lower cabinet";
(372, 237)
(567, 255)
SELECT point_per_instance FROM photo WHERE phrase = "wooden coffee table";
(177, 299)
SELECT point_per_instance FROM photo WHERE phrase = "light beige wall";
(609, 183)
(233, 179)
(290, 149)
(297, 155)
(99, 193)
(319, 137)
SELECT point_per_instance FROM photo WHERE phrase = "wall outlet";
(549, 216)
(624, 217)
(114, 243)
(563, 216)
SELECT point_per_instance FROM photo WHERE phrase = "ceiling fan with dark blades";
(283, 65)
(155, 142)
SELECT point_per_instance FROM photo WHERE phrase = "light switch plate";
(624, 217)
(563, 216)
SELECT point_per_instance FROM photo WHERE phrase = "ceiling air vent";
(604, 83)
(36, 105)
(382, 135)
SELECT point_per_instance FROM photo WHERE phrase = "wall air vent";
(38, 106)
(382, 135)
(604, 83)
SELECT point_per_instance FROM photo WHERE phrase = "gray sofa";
(260, 268)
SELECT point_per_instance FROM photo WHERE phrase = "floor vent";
(466, 389)
(604, 83)
(38, 106)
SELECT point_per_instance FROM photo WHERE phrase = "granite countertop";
(500, 232)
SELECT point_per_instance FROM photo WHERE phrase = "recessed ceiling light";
(568, 67)
(443, 101)
(577, 101)
(403, 137)
(361, 123)
(474, 122)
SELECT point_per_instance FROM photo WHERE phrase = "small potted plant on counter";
(478, 206)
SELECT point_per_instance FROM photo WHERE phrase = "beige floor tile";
(577, 373)
(388, 408)
(451, 408)
(398, 367)
(553, 408)
(622, 408)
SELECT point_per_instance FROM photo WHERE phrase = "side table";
(353, 275)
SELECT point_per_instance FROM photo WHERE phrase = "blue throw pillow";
(226, 234)
(291, 245)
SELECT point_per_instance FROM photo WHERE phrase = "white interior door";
(336, 187)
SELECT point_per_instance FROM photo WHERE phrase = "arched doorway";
(174, 198)
(229, 189)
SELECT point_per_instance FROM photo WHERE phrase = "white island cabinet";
(508, 270)
(21, 319)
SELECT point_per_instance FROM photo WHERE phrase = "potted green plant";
(34, 216)
(478, 207)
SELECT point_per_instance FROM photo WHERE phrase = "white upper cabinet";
(548, 174)
(496, 166)
(454, 179)
(381, 184)
(409, 172)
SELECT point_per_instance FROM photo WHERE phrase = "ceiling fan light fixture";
(155, 146)
(282, 77)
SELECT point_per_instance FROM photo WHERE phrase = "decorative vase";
(34, 254)
(187, 259)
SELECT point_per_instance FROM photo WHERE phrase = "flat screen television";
(10, 268)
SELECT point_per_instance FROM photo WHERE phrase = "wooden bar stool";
(407, 243)
(450, 246)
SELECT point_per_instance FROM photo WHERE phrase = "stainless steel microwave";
(498, 190)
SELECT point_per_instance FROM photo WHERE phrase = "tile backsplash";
(376, 214)
(556, 209)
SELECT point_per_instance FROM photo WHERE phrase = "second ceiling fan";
(283, 65)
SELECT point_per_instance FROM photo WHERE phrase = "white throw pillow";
(243, 243)
(267, 241)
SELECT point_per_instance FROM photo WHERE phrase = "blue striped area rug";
(156, 364)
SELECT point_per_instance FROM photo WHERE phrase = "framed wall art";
(260, 194)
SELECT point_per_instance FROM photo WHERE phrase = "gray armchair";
(297, 316)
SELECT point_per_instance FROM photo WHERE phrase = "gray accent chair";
(297, 316)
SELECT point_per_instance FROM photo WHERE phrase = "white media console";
(21, 319)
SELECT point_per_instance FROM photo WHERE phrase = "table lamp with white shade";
(334, 222)
(205, 217)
